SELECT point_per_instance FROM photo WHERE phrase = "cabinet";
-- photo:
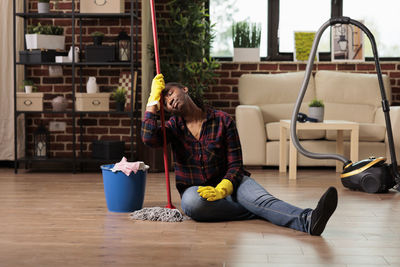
(76, 146)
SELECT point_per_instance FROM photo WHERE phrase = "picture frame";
(303, 41)
(347, 43)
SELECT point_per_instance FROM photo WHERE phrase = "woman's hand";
(222, 190)
(157, 86)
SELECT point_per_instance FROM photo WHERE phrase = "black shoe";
(324, 210)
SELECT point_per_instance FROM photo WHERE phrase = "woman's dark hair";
(198, 100)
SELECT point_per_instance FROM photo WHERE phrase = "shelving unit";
(133, 113)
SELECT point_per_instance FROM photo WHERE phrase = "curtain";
(7, 82)
(147, 62)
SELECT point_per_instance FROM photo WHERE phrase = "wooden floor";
(61, 219)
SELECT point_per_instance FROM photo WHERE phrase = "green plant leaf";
(45, 29)
(185, 41)
(316, 103)
(246, 34)
(119, 94)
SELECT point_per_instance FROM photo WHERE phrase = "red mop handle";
(157, 58)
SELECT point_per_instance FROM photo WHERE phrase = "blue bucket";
(123, 193)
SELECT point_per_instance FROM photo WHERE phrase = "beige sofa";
(267, 98)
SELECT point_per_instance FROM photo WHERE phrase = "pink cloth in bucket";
(128, 167)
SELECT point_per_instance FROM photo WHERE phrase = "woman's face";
(175, 99)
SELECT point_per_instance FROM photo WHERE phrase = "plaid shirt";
(215, 156)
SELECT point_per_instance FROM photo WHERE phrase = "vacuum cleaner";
(370, 175)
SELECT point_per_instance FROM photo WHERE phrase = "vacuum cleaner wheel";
(370, 183)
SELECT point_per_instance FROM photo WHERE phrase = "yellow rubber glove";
(157, 86)
(222, 190)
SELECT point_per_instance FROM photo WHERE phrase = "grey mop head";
(158, 214)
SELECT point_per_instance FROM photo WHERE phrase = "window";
(381, 19)
(280, 18)
(223, 13)
(297, 15)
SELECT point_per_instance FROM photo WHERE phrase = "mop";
(169, 213)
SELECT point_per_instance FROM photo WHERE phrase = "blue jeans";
(251, 201)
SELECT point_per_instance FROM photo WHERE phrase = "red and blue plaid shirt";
(215, 156)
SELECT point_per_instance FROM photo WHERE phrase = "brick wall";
(95, 126)
(224, 93)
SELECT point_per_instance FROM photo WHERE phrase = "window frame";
(273, 53)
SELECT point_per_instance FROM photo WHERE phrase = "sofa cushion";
(350, 112)
(370, 132)
(275, 94)
(273, 132)
(350, 88)
(350, 96)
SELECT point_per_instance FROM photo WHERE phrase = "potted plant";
(28, 85)
(43, 6)
(246, 41)
(45, 37)
(97, 38)
(316, 110)
(119, 95)
(186, 41)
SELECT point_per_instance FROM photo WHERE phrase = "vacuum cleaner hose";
(300, 97)
(308, 72)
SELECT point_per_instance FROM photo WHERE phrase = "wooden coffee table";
(337, 125)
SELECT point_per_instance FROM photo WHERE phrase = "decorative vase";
(316, 113)
(59, 103)
(28, 89)
(43, 7)
(91, 86)
(70, 54)
(120, 106)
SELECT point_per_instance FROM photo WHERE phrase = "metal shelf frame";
(74, 16)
